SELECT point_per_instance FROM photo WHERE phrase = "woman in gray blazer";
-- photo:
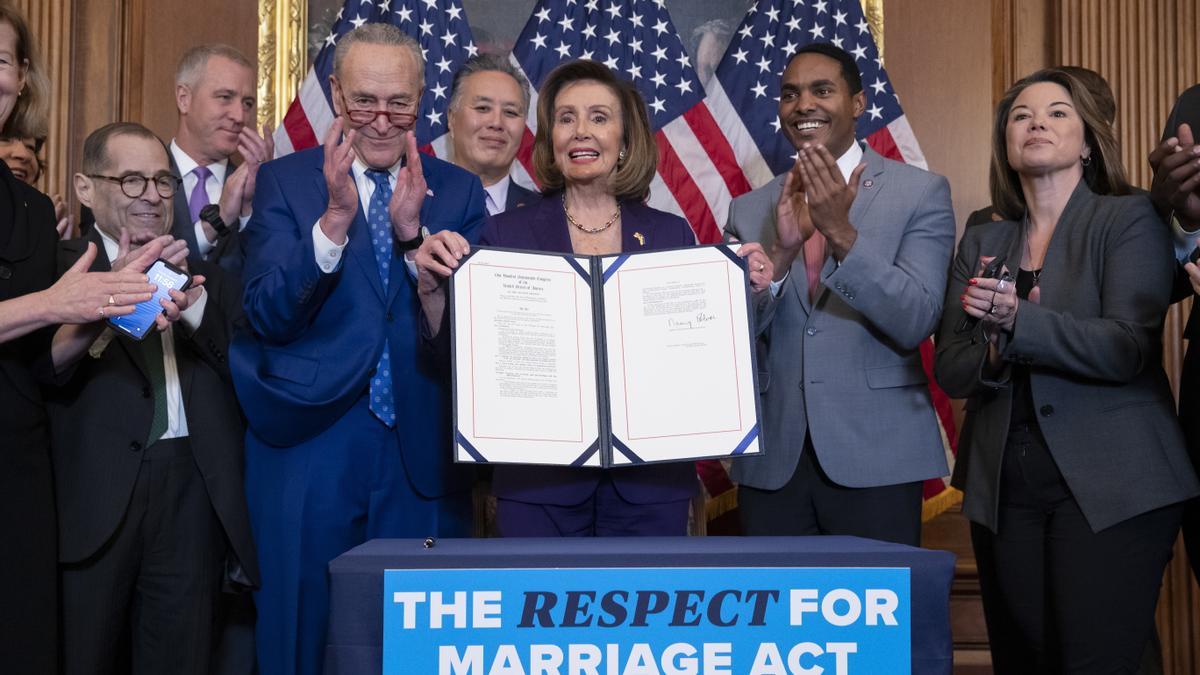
(1071, 461)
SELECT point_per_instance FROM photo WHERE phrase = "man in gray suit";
(214, 93)
(861, 247)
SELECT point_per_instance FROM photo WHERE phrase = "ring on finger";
(100, 310)
(112, 300)
(992, 309)
(761, 267)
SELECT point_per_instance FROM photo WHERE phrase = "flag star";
(819, 5)
(566, 23)
(635, 71)
(754, 9)
(862, 26)
(613, 37)
(878, 62)
(837, 41)
(614, 10)
(543, 15)
(454, 13)
(472, 50)
(405, 13)
(385, 5)
(636, 46)
(439, 91)
(859, 52)
(660, 27)
(777, 126)
(448, 38)
(876, 112)
(790, 48)
(636, 19)
(592, 5)
(683, 60)
(659, 105)
(840, 18)
(426, 27)
(879, 85)
(443, 65)
(431, 4)
(539, 41)
(563, 49)
(684, 86)
(659, 80)
(772, 14)
(434, 117)
(817, 31)
(793, 23)
(330, 39)
(339, 14)
(358, 21)
(611, 62)
(760, 90)
(796, 156)
(660, 4)
(740, 55)
(768, 40)
(590, 31)
(764, 64)
(660, 53)
(588, 55)
(746, 31)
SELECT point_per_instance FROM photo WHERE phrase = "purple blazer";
(542, 226)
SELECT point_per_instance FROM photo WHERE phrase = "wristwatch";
(415, 242)
(211, 214)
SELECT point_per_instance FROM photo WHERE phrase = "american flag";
(441, 28)
(697, 173)
(745, 100)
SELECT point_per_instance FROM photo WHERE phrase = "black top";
(1022, 400)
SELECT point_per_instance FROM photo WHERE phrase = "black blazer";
(100, 415)
(519, 196)
(1093, 347)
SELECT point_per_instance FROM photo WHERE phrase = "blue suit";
(322, 474)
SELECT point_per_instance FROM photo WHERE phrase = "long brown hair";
(1105, 174)
(29, 116)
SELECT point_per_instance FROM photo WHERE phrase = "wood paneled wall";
(1148, 51)
(50, 21)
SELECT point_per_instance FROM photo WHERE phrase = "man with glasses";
(215, 97)
(146, 438)
(349, 419)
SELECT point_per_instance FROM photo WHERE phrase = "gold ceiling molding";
(283, 57)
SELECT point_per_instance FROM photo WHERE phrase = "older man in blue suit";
(349, 420)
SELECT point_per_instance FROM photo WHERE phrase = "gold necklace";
(590, 230)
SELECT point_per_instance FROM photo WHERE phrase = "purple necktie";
(199, 198)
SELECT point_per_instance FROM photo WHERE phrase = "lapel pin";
(429, 191)
(640, 237)
(868, 183)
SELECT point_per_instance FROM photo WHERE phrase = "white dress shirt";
(213, 186)
(329, 254)
(177, 426)
(496, 195)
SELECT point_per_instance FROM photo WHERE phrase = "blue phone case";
(167, 277)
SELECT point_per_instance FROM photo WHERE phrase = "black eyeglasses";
(134, 185)
(400, 114)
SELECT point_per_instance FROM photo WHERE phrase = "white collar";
(186, 164)
(850, 159)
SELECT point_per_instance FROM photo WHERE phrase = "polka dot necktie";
(382, 400)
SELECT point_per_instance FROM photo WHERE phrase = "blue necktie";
(382, 400)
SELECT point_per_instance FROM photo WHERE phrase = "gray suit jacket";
(846, 369)
(1094, 349)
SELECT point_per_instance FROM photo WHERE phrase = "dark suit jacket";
(100, 417)
(227, 252)
(1094, 351)
(542, 226)
(315, 338)
(519, 196)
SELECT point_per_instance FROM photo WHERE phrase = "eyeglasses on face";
(134, 185)
(400, 114)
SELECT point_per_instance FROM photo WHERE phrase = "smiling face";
(815, 104)
(378, 77)
(588, 134)
(20, 154)
(1045, 133)
(12, 71)
(144, 217)
(213, 111)
(487, 124)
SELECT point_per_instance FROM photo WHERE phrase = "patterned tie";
(814, 260)
(382, 402)
(199, 198)
(156, 371)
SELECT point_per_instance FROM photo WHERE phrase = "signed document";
(603, 361)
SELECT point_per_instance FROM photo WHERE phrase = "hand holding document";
(603, 361)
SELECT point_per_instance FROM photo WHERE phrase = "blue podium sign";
(647, 621)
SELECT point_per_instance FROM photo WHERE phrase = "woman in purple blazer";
(594, 155)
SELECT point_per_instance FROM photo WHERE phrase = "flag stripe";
(709, 135)
(686, 192)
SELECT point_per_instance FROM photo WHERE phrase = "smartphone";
(991, 271)
(167, 277)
